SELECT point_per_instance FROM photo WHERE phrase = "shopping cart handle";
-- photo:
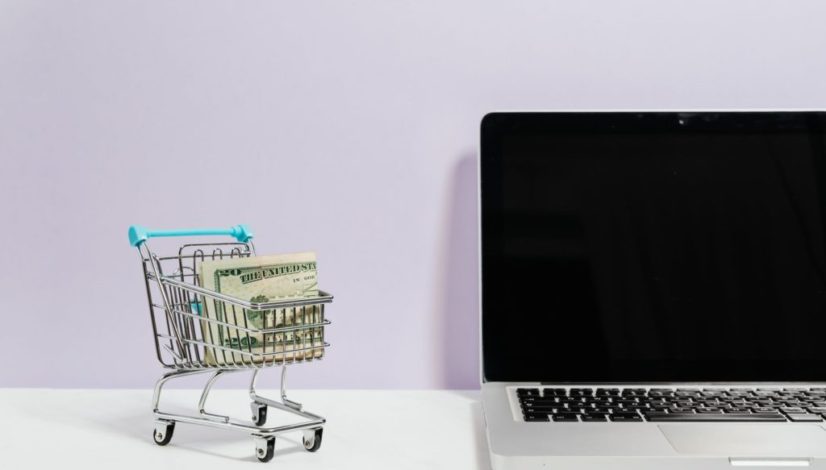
(138, 234)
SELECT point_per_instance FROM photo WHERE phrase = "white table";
(112, 429)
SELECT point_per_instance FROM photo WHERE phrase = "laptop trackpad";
(746, 439)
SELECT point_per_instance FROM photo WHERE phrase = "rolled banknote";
(260, 279)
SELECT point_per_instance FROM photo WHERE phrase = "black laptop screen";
(652, 247)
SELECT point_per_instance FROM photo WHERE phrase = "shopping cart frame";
(183, 311)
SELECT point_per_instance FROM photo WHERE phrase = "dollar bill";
(261, 279)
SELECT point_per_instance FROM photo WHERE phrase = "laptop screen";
(653, 247)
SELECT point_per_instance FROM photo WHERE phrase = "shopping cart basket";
(186, 319)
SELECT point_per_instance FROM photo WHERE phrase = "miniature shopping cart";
(186, 320)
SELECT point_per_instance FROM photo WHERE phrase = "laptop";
(653, 289)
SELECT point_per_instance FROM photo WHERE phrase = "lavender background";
(348, 128)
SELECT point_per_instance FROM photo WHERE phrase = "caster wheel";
(312, 439)
(163, 432)
(259, 413)
(265, 448)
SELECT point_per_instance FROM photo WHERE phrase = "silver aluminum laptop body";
(515, 443)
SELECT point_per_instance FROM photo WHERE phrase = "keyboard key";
(536, 400)
(591, 418)
(751, 417)
(525, 392)
(565, 417)
(541, 409)
(636, 406)
(554, 392)
(625, 417)
(535, 417)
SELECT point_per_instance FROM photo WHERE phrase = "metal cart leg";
(205, 394)
(285, 403)
(156, 397)
(165, 427)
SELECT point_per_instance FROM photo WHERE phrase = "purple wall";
(348, 128)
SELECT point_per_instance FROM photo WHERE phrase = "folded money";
(261, 279)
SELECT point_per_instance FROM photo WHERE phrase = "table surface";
(365, 429)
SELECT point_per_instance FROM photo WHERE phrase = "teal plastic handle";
(138, 234)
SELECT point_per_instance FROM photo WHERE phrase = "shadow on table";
(482, 454)
(202, 439)
(478, 428)
(227, 444)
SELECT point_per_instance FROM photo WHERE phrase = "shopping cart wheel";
(163, 432)
(265, 448)
(259, 413)
(312, 439)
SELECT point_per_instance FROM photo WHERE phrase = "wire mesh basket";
(197, 328)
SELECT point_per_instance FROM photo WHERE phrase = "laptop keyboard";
(669, 404)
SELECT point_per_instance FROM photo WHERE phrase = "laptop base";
(517, 444)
